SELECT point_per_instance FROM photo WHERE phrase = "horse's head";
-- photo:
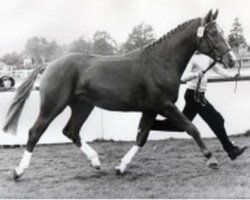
(212, 41)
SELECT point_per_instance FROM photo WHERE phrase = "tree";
(41, 50)
(104, 44)
(12, 59)
(141, 35)
(248, 48)
(53, 51)
(236, 38)
(35, 48)
(80, 46)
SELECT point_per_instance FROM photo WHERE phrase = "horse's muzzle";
(231, 63)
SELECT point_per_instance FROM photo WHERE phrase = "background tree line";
(41, 50)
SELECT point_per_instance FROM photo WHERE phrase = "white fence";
(235, 107)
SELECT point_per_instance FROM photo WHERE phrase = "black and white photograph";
(124, 99)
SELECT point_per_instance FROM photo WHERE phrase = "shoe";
(237, 151)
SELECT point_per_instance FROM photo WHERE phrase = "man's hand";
(199, 74)
(236, 76)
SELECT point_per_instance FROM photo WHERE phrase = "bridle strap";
(213, 48)
(204, 72)
(210, 66)
(211, 44)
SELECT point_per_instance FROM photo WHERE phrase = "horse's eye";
(214, 33)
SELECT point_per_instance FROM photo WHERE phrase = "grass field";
(171, 168)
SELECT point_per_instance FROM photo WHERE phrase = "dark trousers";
(207, 112)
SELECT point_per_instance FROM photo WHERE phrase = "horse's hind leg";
(46, 115)
(145, 124)
(179, 119)
(79, 114)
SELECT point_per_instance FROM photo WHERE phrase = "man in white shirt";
(196, 103)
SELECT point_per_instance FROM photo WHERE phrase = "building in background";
(27, 62)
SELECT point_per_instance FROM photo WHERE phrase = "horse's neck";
(178, 48)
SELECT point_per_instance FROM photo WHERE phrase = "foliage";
(41, 50)
(79, 46)
(103, 44)
(236, 38)
(141, 35)
(248, 48)
(12, 59)
(53, 51)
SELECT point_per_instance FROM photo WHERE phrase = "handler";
(196, 103)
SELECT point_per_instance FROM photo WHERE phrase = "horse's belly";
(120, 106)
(113, 101)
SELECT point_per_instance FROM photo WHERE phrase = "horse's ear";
(208, 18)
(215, 15)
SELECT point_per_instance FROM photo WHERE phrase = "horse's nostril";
(232, 63)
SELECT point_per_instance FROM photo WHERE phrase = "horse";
(145, 80)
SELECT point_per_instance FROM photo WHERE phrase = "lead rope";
(196, 93)
(236, 80)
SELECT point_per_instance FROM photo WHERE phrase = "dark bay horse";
(145, 80)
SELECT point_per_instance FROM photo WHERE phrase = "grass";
(172, 168)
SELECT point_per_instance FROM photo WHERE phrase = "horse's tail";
(18, 102)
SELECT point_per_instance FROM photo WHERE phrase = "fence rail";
(210, 80)
(242, 78)
(216, 80)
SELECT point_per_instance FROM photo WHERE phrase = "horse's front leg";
(145, 124)
(180, 120)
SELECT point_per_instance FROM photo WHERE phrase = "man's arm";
(189, 75)
(223, 72)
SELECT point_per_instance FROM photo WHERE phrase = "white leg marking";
(91, 155)
(128, 158)
(24, 163)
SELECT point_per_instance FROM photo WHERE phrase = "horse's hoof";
(213, 166)
(95, 163)
(213, 163)
(98, 167)
(16, 176)
(118, 171)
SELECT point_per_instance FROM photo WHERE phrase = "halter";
(202, 33)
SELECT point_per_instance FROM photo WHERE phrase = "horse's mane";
(170, 34)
